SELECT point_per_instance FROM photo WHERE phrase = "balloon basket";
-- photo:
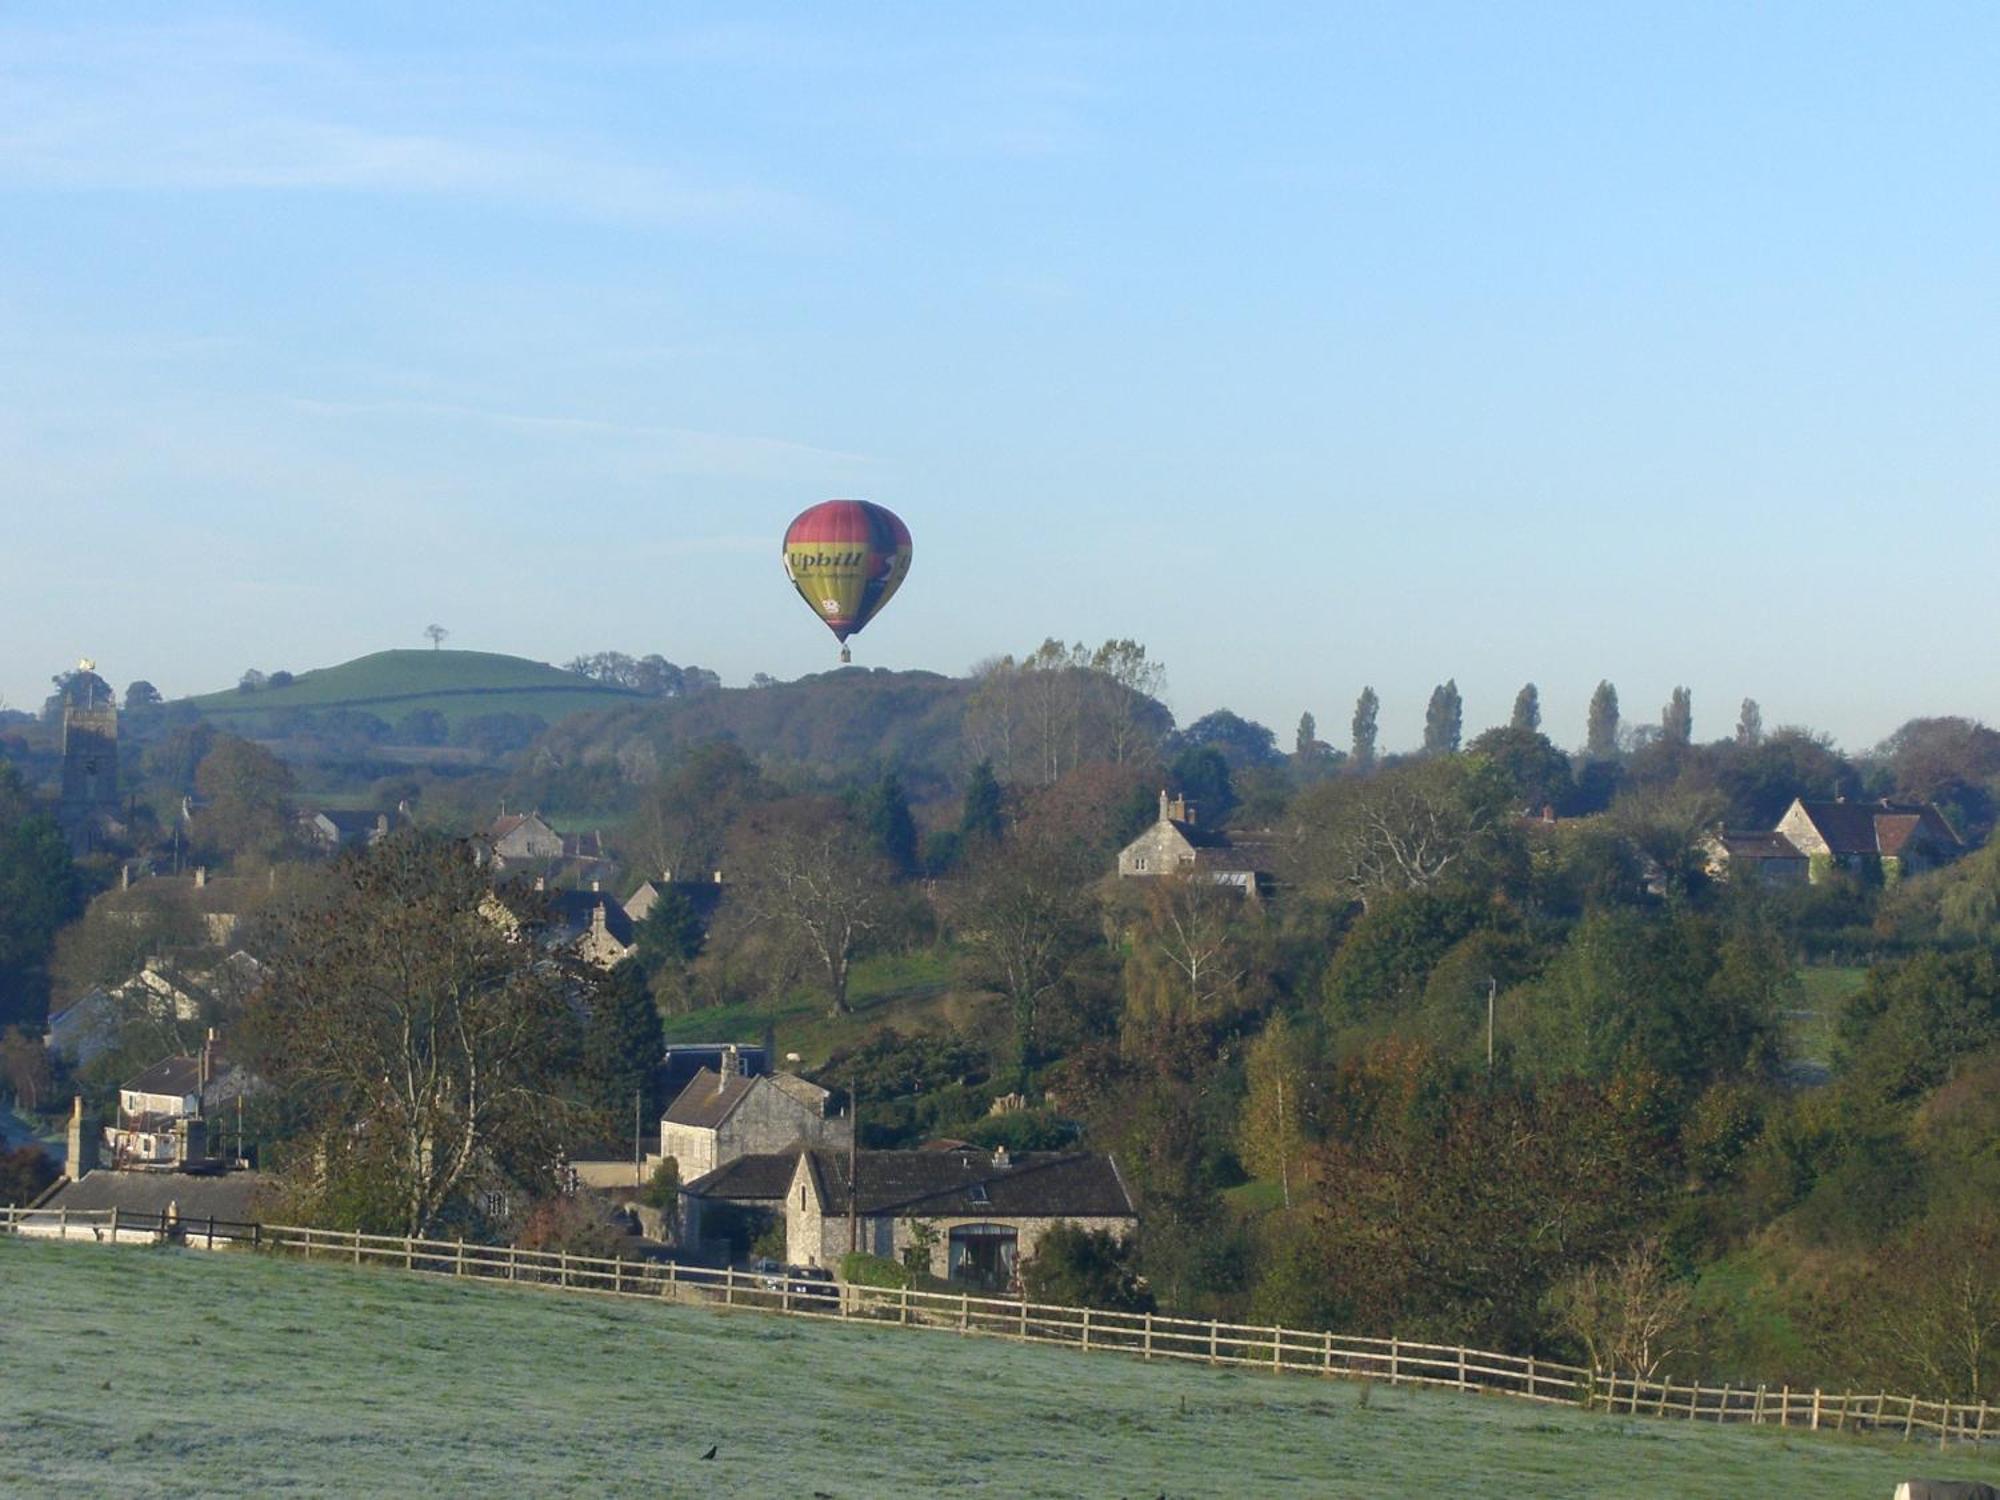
(846, 657)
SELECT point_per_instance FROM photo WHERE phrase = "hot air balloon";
(846, 557)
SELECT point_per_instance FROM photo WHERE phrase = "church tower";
(90, 758)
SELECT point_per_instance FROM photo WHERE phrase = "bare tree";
(1403, 830)
(809, 872)
(421, 1038)
(436, 635)
(1189, 960)
(1627, 1312)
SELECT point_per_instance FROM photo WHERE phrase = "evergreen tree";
(1444, 719)
(980, 818)
(623, 1044)
(1527, 709)
(1307, 737)
(1601, 737)
(1677, 718)
(1366, 707)
(891, 826)
(1750, 725)
(671, 934)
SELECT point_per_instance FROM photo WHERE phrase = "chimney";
(200, 876)
(718, 877)
(1001, 1159)
(125, 876)
(207, 1061)
(732, 1063)
(666, 877)
(541, 883)
(596, 888)
(1165, 806)
(82, 1142)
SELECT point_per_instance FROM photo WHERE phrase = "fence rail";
(1146, 1335)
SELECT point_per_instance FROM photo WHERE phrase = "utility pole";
(853, 1170)
(638, 1149)
(1492, 989)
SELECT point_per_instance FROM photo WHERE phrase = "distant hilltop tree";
(1527, 709)
(1677, 718)
(1444, 720)
(1366, 709)
(1601, 735)
(436, 635)
(654, 676)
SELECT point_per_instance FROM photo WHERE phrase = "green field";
(1810, 1030)
(158, 1372)
(910, 991)
(458, 684)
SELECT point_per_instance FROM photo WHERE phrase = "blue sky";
(1312, 345)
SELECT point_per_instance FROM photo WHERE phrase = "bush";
(860, 1269)
(1077, 1267)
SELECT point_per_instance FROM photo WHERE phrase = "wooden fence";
(1393, 1361)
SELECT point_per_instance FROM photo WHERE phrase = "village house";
(592, 925)
(1886, 838)
(516, 837)
(1177, 845)
(163, 991)
(723, 1113)
(973, 1216)
(331, 829)
(165, 1113)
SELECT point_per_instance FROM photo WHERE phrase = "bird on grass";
(711, 1450)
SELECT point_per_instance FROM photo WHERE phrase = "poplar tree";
(1308, 735)
(1677, 718)
(1444, 719)
(1527, 709)
(1601, 737)
(1365, 709)
(1750, 724)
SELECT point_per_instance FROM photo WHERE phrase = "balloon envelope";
(846, 558)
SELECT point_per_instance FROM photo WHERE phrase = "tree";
(39, 892)
(815, 878)
(423, 1047)
(1201, 775)
(623, 1044)
(1677, 718)
(24, 1067)
(1305, 741)
(248, 794)
(1130, 682)
(142, 694)
(1189, 964)
(1527, 709)
(1443, 719)
(1243, 743)
(1366, 708)
(1628, 1312)
(683, 826)
(1750, 725)
(1402, 830)
(1537, 771)
(1601, 735)
(980, 816)
(26, 1173)
(436, 635)
(887, 812)
(1271, 1134)
(1023, 913)
(1077, 1267)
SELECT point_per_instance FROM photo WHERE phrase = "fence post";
(1531, 1374)
(1979, 1432)
(256, 1235)
(62, 1222)
(1461, 1369)
(1024, 1318)
(114, 1223)
(1149, 1336)
(409, 1253)
(1395, 1357)
(1815, 1409)
(965, 1314)
(1214, 1350)
(1278, 1347)
(904, 1319)
(458, 1266)
(357, 1247)
(1086, 1330)
(562, 1268)
(1328, 1365)
(1910, 1419)
(673, 1279)
(1785, 1406)
(618, 1280)
(728, 1286)
(513, 1262)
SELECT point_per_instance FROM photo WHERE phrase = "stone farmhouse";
(1177, 845)
(592, 925)
(331, 829)
(722, 1114)
(516, 837)
(974, 1215)
(1812, 839)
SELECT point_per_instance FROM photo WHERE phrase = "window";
(977, 1193)
(982, 1256)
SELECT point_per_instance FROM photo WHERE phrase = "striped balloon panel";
(847, 558)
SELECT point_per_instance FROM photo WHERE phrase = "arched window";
(982, 1256)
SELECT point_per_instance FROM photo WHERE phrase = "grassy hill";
(317, 1379)
(458, 684)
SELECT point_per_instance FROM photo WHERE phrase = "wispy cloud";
(249, 109)
(671, 449)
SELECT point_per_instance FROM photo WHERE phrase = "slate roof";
(1035, 1185)
(1870, 828)
(1754, 845)
(707, 1100)
(230, 1196)
(763, 1178)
